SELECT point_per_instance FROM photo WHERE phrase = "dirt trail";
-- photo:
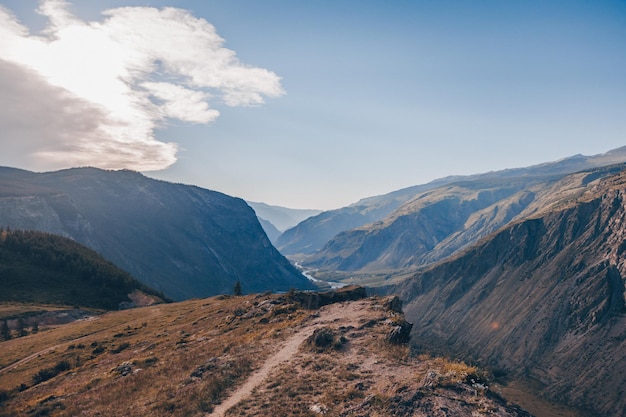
(345, 314)
(58, 346)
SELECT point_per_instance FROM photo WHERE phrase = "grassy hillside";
(252, 355)
(42, 268)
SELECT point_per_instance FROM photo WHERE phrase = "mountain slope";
(254, 355)
(542, 298)
(312, 234)
(37, 267)
(270, 230)
(282, 218)
(183, 240)
(437, 223)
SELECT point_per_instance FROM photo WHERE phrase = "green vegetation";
(37, 267)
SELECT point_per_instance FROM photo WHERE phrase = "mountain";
(270, 230)
(441, 218)
(37, 267)
(311, 234)
(183, 240)
(436, 223)
(276, 219)
(255, 355)
(541, 299)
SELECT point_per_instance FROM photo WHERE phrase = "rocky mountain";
(438, 220)
(436, 223)
(542, 299)
(41, 268)
(183, 240)
(256, 355)
(282, 218)
(311, 234)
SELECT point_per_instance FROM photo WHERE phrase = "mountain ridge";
(312, 234)
(183, 240)
(438, 222)
(542, 298)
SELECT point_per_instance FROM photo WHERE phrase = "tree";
(5, 331)
(35, 327)
(21, 328)
(237, 288)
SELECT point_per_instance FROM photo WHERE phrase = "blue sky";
(349, 99)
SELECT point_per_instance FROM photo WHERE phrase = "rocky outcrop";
(183, 240)
(313, 299)
(542, 298)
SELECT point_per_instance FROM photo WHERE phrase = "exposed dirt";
(348, 313)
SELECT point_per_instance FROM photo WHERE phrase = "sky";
(309, 104)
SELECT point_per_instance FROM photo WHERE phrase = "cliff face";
(183, 240)
(544, 297)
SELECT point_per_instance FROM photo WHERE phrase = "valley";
(518, 275)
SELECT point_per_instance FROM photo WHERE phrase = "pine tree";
(5, 331)
(21, 328)
(237, 288)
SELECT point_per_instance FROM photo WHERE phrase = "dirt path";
(41, 352)
(57, 346)
(341, 314)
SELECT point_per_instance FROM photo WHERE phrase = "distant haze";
(282, 218)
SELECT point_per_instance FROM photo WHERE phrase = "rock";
(314, 300)
(326, 338)
(123, 369)
(393, 304)
(400, 333)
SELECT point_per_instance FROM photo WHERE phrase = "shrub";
(121, 347)
(49, 373)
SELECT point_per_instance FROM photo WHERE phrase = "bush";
(121, 347)
(49, 373)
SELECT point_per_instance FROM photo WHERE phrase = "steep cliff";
(542, 298)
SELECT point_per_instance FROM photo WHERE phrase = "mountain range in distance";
(380, 238)
(276, 219)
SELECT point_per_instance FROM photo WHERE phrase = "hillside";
(311, 234)
(541, 299)
(437, 223)
(41, 268)
(240, 356)
(183, 240)
(314, 233)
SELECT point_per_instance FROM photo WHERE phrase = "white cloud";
(93, 93)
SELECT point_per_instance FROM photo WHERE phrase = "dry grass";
(182, 359)
(140, 362)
